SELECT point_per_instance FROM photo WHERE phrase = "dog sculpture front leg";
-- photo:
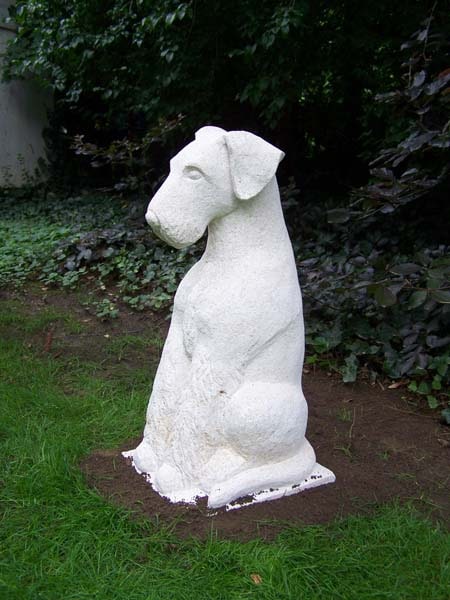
(191, 440)
(170, 380)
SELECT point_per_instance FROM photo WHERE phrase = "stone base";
(319, 476)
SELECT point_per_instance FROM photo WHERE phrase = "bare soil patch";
(94, 340)
(379, 449)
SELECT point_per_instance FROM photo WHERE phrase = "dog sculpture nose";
(152, 219)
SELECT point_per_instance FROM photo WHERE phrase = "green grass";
(121, 344)
(60, 540)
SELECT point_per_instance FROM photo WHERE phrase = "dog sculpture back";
(227, 416)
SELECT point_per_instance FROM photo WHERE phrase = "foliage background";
(357, 94)
(305, 73)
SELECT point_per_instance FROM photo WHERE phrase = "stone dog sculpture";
(227, 416)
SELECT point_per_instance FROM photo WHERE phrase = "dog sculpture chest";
(227, 416)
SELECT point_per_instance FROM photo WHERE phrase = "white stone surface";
(320, 476)
(227, 416)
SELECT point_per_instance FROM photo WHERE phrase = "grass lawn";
(60, 540)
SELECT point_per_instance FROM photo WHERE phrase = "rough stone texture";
(227, 416)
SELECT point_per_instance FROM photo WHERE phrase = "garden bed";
(380, 442)
(379, 448)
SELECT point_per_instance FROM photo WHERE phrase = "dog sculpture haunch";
(227, 416)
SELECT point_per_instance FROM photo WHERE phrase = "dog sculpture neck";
(248, 228)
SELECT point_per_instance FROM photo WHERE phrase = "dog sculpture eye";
(193, 173)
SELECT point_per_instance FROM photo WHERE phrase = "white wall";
(23, 116)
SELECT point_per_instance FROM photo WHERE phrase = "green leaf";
(417, 299)
(442, 363)
(433, 284)
(338, 215)
(406, 269)
(350, 369)
(385, 296)
(170, 18)
(436, 383)
(423, 388)
(441, 296)
(438, 273)
(320, 344)
(412, 387)
(433, 402)
(441, 262)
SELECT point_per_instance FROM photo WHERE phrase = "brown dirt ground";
(378, 443)
(92, 343)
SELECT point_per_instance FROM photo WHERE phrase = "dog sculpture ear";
(253, 163)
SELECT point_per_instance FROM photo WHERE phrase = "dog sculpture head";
(208, 179)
